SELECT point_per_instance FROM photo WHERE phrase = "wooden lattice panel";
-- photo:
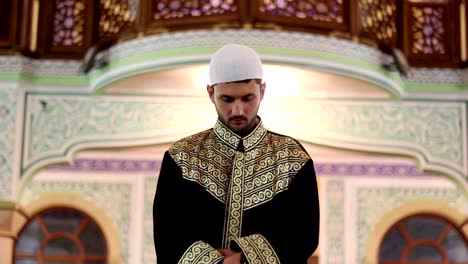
(170, 9)
(68, 26)
(378, 19)
(328, 13)
(117, 15)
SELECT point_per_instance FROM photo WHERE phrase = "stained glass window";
(61, 235)
(423, 239)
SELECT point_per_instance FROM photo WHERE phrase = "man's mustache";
(237, 118)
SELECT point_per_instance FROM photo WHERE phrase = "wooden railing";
(429, 32)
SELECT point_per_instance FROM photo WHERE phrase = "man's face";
(237, 104)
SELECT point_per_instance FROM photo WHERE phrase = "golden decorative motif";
(257, 250)
(242, 180)
(200, 252)
(207, 158)
(234, 204)
(226, 135)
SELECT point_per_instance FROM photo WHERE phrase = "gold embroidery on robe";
(257, 249)
(200, 252)
(270, 162)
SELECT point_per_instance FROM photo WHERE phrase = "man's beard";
(243, 130)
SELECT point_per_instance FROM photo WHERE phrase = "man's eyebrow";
(242, 96)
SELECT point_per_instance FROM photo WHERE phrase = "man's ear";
(210, 90)
(262, 90)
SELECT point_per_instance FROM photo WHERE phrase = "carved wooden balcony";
(431, 33)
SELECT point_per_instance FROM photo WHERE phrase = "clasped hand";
(230, 257)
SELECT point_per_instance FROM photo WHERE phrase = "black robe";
(256, 194)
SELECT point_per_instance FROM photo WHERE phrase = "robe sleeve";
(293, 235)
(175, 236)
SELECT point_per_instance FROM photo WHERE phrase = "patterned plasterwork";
(113, 198)
(7, 138)
(56, 126)
(367, 169)
(327, 169)
(148, 253)
(375, 202)
(344, 169)
(334, 219)
(434, 133)
(33, 67)
(364, 203)
(109, 165)
(438, 76)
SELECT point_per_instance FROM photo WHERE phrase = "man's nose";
(237, 109)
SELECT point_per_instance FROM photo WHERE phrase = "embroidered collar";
(232, 139)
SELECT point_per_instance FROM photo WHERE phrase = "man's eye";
(247, 98)
(227, 99)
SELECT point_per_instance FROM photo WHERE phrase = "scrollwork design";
(55, 122)
(436, 128)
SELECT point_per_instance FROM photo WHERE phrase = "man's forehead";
(235, 89)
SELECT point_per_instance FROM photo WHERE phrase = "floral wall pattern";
(434, 131)
(148, 253)
(7, 138)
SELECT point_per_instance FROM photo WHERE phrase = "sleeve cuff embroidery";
(257, 250)
(200, 252)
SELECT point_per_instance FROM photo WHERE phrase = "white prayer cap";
(234, 62)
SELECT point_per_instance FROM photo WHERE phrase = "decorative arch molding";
(296, 49)
(431, 206)
(56, 126)
(323, 53)
(168, 50)
(106, 224)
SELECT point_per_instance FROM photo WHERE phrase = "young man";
(236, 193)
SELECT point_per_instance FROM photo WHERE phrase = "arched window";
(424, 239)
(61, 235)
